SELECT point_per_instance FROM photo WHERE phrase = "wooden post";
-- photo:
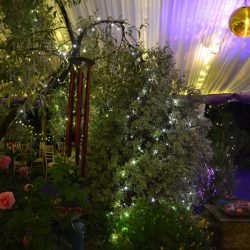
(70, 113)
(86, 121)
(43, 125)
(78, 114)
(79, 61)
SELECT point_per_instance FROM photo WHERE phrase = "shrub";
(158, 226)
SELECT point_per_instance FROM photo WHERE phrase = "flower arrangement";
(24, 171)
(7, 200)
(34, 213)
(4, 162)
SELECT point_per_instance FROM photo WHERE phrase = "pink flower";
(27, 187)
(25, 241)
(24, 171)
(7, 200)
(4, 162)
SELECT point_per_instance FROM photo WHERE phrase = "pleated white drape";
(213, 59)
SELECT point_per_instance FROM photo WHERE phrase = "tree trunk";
(43, 125)
(9, 118)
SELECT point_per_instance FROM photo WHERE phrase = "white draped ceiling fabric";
(212, 58)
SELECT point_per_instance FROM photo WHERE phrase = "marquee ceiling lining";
(212, 58)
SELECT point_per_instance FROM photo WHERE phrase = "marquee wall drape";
(212, 58)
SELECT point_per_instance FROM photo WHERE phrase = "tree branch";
(66, 20)
(54, 83)
(7, 121)
(48, 30)
(61, 74)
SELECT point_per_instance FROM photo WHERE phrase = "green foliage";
(27, 48)
(70, 2)
(66, 180)
(29, 218)
(229, 142)
(29, 16)
(97, 229)
(18, 130)
(144, 133)
(56, 104)
(146, 137)
(35, 217)
(158, 226)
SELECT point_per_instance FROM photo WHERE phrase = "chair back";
(49, 159)
(17, 146)
(46, 156)
(41, 149)
(61, 147)
(48, 148)
(14, 146)
(24, 146)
